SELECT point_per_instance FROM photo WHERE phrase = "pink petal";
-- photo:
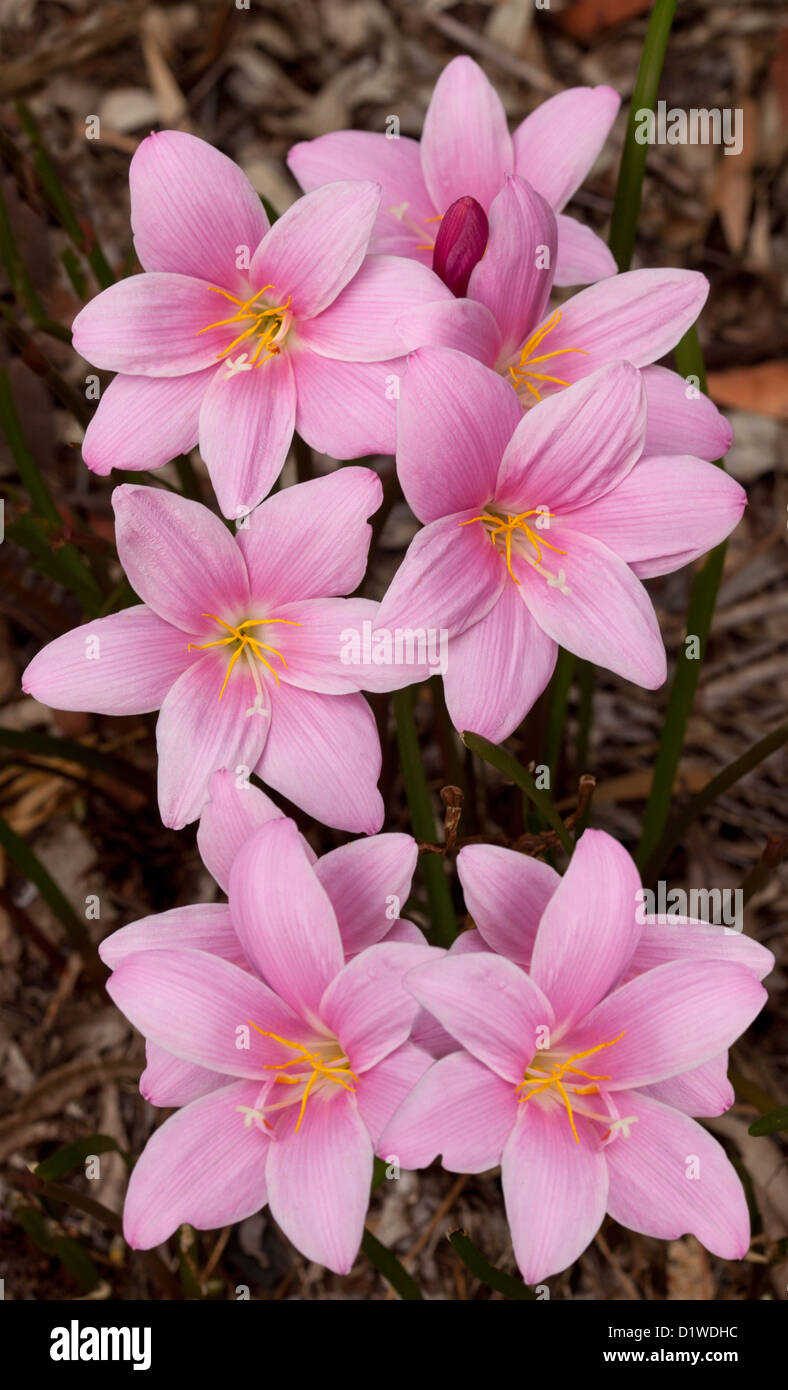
(317, 246)
(681, 420)
(454, 421)
(197, 733)
(151, 325)
(506, 894)
(192, 208)
(394, 164)
(178, 557)
(203, 1166)
(673, 1018)
(645, 523)
(489, 1005)
(235, 811)
(361, 324)
(346, 409)
(556, 145)
(583, 257)
(680, 938)
(283, 917)
(368, 1007)
(382, 1089)
(312, 539)
(705, 1090)
(368, 882)
(555, 1191)
(315, 650)
(459, 1109)
(497, 669)
(169, 1081)
(201, 1008)
(246, 428)
(449, 579)
(600, 586)
(588, 931)
(515, 275)
(202, 926)
(578, 446)
(319, 1180)
(462, 324)
(144, 421)
(97, 666)
(323, 754)
(670, 1177)
(465, 142)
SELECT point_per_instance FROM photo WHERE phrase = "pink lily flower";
(466, 150)
(238, 643)
(366, 882)
(539, 529)
(639, 316)
(318, 1059)
(238, 332)
(572, 1080)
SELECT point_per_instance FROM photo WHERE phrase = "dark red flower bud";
(460, 243)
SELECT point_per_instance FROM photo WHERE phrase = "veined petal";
(366, 881)
(704, 1090)
(246, 428)
(463, 324)
(235, 811)
(168, 1080)
(144, 421)
(515, 275)
(506, 894)
(361, 324)
(459, 1109)
(466, 147)
(202, 926)
(556, 145)
(450, 578)
(678, 938)
(368, 1007)
(681, 419)
(583, 257)
(382, 1089)
(346, 409)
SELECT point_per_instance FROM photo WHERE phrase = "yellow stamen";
(524, 368)
(496, 526)
(252, 646)
(540, 1081)
(336, 1070)
(254, 320)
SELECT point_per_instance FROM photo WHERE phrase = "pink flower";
(637, 317)
(576, 1083)
(238, 642)
(237, 333)
(317, 1059)
(539, 529)
(466, 149)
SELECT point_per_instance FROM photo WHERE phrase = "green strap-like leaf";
(509, 766)
(389, 1266)
(422, 819)
(488, 1274)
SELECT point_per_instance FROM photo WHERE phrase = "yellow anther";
(335, 1069)
(251, 645)
(524, 370)
(269, 323)
(540, 1081)
(498, 526)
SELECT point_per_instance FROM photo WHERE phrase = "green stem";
(558, 706)
(422, 818)
(509, 766)
(31, 867)
(488, 1274)
(389, 1266)
(629, 188)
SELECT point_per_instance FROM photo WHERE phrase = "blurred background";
(253, 81)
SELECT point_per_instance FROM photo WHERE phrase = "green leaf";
(422, 819)
(509, 766)
(389, 1266)
(774, 1123)
(68, 1251)
(44, 746)
(626, 207)
(488, 1274)
(31, 867)
(558, 705)
(74, 1155)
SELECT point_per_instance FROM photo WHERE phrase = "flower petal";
(169, 1081)
(588, 931)
(463, 324)
(466, 147)
(312, 539)
(319, 1180)
(670, 1178)
(203, 1166)
(679, 938)
(178, 557)
(578, 446)
(459, 1109)
(202, 926)
(361, 324)
(556, 145)
(705, 1090)
(317, 245)
(454, 420)
(367, 882)
(583, 257)
(449, 579)
(346, 409)
(681, 419)
(382, 1089)
(368, 1007)
(284, 918)
(192, 209)
(323, 754)
(198, 732)
(664, 514)
(555, 1191)
(246, 428)
(506, 894)
(497, 669)
(235, 811)
(489, 1005)
(144, 421)
(515, 275)
(97, 666)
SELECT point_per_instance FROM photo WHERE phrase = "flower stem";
(509, 766)
(422, 819)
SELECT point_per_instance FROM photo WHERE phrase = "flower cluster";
(401, 306)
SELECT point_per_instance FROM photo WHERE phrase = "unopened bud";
(460, 243)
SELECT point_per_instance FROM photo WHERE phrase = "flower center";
(313, 1068)
(524, 374)
(268, 323)
(503, 530)
(563, 1079)
(245, 644)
